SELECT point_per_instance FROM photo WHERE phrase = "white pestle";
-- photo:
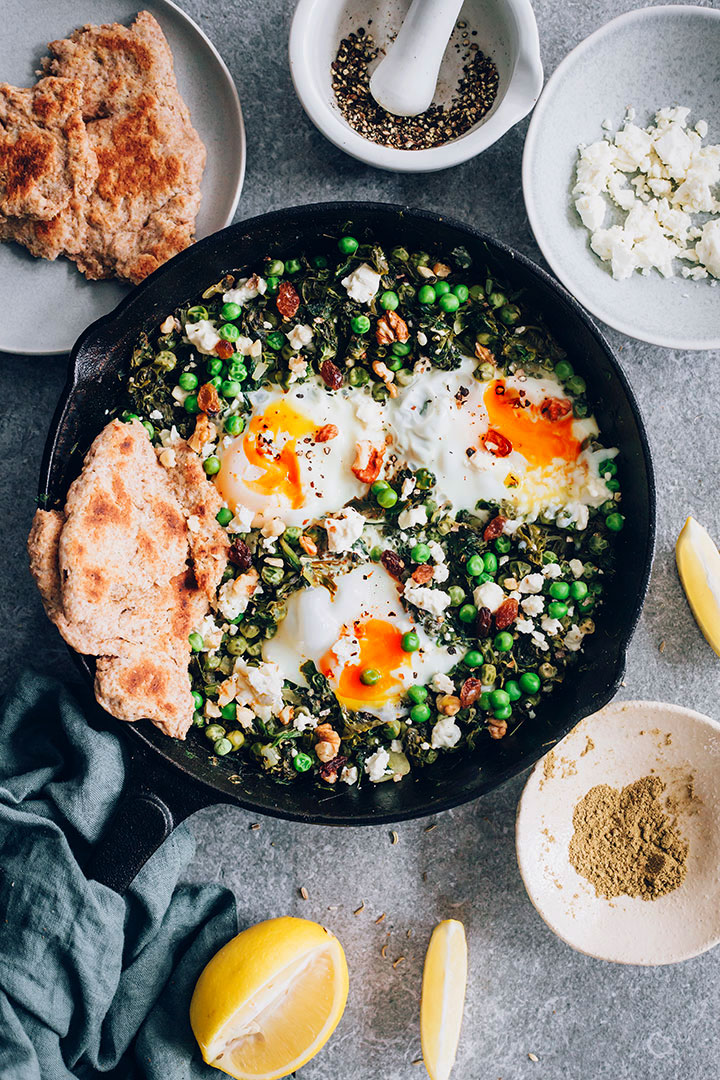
(404, 82)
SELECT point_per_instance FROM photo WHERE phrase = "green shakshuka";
(420, 508)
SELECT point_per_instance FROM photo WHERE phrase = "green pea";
(615, 522)
(529, 682)
(490, 562)
(276, 268)
(191, 404)
(360, 324)
(214, 731)
(237, 372)
(606, 467)
(462, 292)
(503, 641)
(578, 590)
(497, 300)
(292, 266)
(378, 486)
(485, 372)
(198, 719)
(424, 479)
(467, 613)
(473, 658)
(426, 295)
(410, 642)
(198, 699)
(224, 516)
(275, 340)
(216, 382)
(513, 691)
(230, 388)
(380, 392)
(549, 557)
(214, 367)
(358, 376)
(477, 292)
(475, 566)
(564, 370)
(302, 762)
(488, 674)
(272, 575)
(557, 609)
(386, 498)
(197, 313)
(149, 428)
(400, 253)
(417, 694)
(196, 641)
(580, 409)
(510, 315)
(612, 484)
(597, 543)
(211, 465)
(370, 676)
(272, 283)
(234, 424)
(229, 312)
(420, 713)
(392, 729)
(229, 711)
(165, 360)
(503, 545)
(503, 713)
(575, 385)
(319, 262)
(484, 701)
(188, 380)
(395, 364)
(229, 332)
(420, 553)
(237, 645)
(376, 554)
(389, 300)
(499, 698)
(402, 348)
(560, 590)
(482, 578)
(456, 594)
(348, 245)
(404, 376)
(449, 302)
(441, 288)
(236, 739)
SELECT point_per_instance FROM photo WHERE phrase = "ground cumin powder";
(626, 843)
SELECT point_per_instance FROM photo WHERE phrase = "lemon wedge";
(698, 563)
(270, 999)
(443, 997)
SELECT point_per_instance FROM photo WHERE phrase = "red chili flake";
(288, 300)
(392, 563)
(554, 408)
(224, 350)
(484, 622)
(496, 444)
(240, 555)
(470, 691)
(331, 374)
(494, 528)
(507, 613)
(329, 767)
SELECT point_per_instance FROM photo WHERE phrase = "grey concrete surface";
(528, 993)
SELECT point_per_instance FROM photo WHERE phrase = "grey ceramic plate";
(649, 58)
(46, 305)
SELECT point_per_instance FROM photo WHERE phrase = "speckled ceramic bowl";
(647, 59)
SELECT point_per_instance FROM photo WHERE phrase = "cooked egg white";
(360, 628)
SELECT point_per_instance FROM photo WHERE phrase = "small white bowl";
(506, 32)
(620, 744)
(645, 59)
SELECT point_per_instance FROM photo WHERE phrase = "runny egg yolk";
(530, 428)
(381, 651)
(269, 446)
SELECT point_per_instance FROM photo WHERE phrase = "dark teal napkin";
(91, 983)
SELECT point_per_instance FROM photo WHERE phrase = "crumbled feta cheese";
(435, 601)
(552, 570)
(408, 486)
(376, 765)
(488, 595)
(211, 634)
(304, 721)
(349, 775)
(533, 605)
(298, 368)
(436, 552)
(511, 526)
(524, 626)
(259, 688)
(442, 683)
(242, 521)
(574, 638)
(412, 516)
(538, 639)
(362, 284)
(531, 583)
(591, 209)
(576, 568)
(440, 573)
(708, 247)
(246, 289)
(445, 734)
(273, 528)
(235, 595)
(550, 626)
(299, 336)
(202, 335)
(344, 529)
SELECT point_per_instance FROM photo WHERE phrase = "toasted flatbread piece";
(45, 156)
(209, 544)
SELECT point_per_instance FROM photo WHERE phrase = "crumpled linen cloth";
(92, 984)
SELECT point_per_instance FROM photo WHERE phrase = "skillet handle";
(155, 801)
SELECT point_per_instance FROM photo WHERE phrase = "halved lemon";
(270, 999)
(698, 563)
(443, 997)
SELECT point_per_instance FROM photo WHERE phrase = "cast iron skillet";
(171, 779)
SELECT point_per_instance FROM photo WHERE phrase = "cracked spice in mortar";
(473, 97)
(626, 843)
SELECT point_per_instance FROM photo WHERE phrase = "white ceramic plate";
(618, 745)
(46, 305)
(646, 59)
